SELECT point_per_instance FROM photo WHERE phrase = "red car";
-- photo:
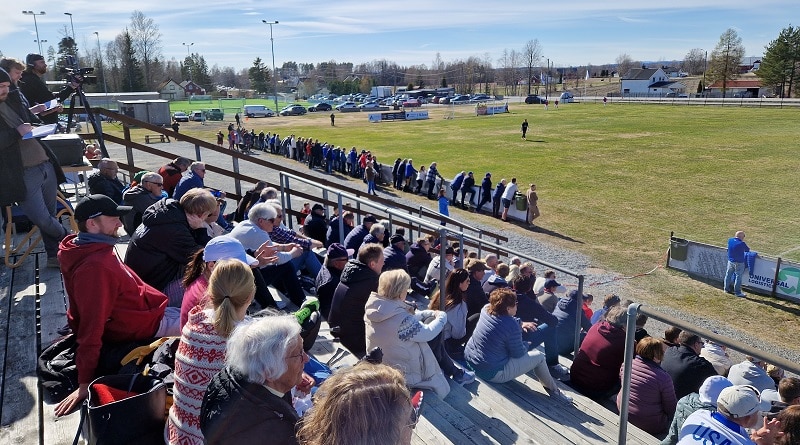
(412, 103)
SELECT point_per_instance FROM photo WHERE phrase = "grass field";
(614, 181)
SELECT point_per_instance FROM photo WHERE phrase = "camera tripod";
(90, 117)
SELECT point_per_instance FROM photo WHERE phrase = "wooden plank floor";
(33, 308)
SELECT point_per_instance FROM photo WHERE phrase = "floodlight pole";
(188, 56)
(100, 59)
(36, 26)
(73, 28)
(274, 75)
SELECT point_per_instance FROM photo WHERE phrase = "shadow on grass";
(541, 141)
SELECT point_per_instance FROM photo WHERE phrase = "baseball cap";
(711, 387)
(32, 58)
(93, 206)
(551, 283)
(449, 251)
(337, 250)
(474, 265)
(226, 247)
(317, 207)
(396, 239)
(740, 401)
(370, 219)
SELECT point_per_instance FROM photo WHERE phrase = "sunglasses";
(416, 404)
(160, 184)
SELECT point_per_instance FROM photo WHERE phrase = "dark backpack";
(56, 369)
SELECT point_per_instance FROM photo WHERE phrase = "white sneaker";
(559, 396)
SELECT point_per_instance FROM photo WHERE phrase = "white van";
(258, 111)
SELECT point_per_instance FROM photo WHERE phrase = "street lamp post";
(274, 75)
(100, 59)
(36, 26)
(188, 56)
(71, 25)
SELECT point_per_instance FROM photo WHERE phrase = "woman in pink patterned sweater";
(201, 352)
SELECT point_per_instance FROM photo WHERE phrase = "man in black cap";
(29, 172)
(35, 89)
(109, 305)
(329, 276)
(316, 226)
(394, 255)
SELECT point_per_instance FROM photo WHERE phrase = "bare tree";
(624, 64)
(726, 58)
(147, 43)
(532, 54)
(695, 61)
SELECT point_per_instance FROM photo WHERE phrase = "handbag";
(125, 409)
(56, 369)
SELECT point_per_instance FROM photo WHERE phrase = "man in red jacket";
(108, 303)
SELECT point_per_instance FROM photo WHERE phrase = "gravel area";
(518, 241)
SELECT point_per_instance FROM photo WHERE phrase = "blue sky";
(576, 32)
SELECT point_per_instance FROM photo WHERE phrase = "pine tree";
(781, 63)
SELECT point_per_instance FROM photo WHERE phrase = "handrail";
(636, 308)
(128, 121)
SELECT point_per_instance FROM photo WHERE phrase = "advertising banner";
(416, 115)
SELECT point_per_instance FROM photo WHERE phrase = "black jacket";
(348, 306)
(417, 260)
(36, 91)
(475, 297)
(687, 369)
(356, 236)
(315, 227)
(486, 188)
(140, 199)
(163, 244)
(332, 235)
(326, 282)
(394, 258)
(236, 411)
(99, 184)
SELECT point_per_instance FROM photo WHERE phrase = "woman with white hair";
(249, 401)
(376, 234)
(403, 333)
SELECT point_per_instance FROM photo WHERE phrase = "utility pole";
(274, 73)
(100, 59)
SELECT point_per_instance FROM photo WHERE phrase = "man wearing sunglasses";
(140, 197)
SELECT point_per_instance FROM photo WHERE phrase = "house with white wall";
(649, 82)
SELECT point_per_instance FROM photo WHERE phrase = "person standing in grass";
(508, 196)
(736, 259)
(533, 207)
(524, 128)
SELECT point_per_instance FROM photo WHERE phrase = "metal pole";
(75, 42)
(442, 267)
(188, 56)
(103, 73)
(630, 335)
(578, 317)
(36, 26)
(274, 76)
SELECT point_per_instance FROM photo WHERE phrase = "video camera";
(77, 75)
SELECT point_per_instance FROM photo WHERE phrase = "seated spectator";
(775, 372)
(376, 235)
(670, 336)
(454, 334)
(202, 264)
(307, 260)
(201, 351)
(705, 398)
(330, 275)
(105, 182)
(434, 270)
(751, 372)
(109, 305)
(738, 409)
(249, 199)
(394, 255)
(496, 351)
(652, 397)
(595, 370)
(246, 401)
(788, 394)
(538, 286)
(346, 404)
(475, 297)
(140, 197)
(172, 173)
(684, 364)
(332, 235)
(609, 301)
(641, 332)
(513, 273)
(565, 314)
(355, 238)
(418, 258)
(587, 305)
(170, 233)
(253, 233)
(497, 280)
(304, 212)
(194, 179)
(549, 299)
(790, 426)
(315, 225)
(403, 335)
(492, 262)
(717, 355)
(359, 279)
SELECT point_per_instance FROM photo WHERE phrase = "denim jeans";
(40, 204)
(308, 261)
(734, 269)
(549, 337)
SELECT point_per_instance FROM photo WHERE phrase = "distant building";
(741, 88)
(649, 82)
(192, 89)
(172, 90)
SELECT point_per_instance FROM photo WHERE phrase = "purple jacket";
(652, 402)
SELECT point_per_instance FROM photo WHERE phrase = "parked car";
(371, 106)
(445, 100)
(347, 106)
(460, 99)
(215, 114)
(258, 111)
(180, 116)
(534, 99)
(198, 116)
(480, 98)
(293, 110)
(322, 106)
(409, 103)
(566, 97)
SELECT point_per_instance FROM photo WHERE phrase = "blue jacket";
(736, 250)
(187, 183)
(494, 342)
(410, 170)
(456, 184)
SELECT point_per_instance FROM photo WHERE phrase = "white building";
(649, 82)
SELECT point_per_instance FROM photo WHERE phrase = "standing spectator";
(467, 188)
(403, 334)
(595, 370)
(33, 87)
(433, 173)
(369, 175)
(508, 197)
(140, 197)
(455, 186)
(220, 138)
(533, 205)
(105, 181)
(652, 397)
(410, 175)
(329, 276)
(486, 192)
(333, 120)
(400, 179)
(736, 263)
(420, 179)
(684, 364)
(171, 173)
(359, 278)
(176, 126)
(395, 171)
(443, 205)
(238, 120)
(498, 197)
(524, 128)
(496, 351)
(352, 162)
